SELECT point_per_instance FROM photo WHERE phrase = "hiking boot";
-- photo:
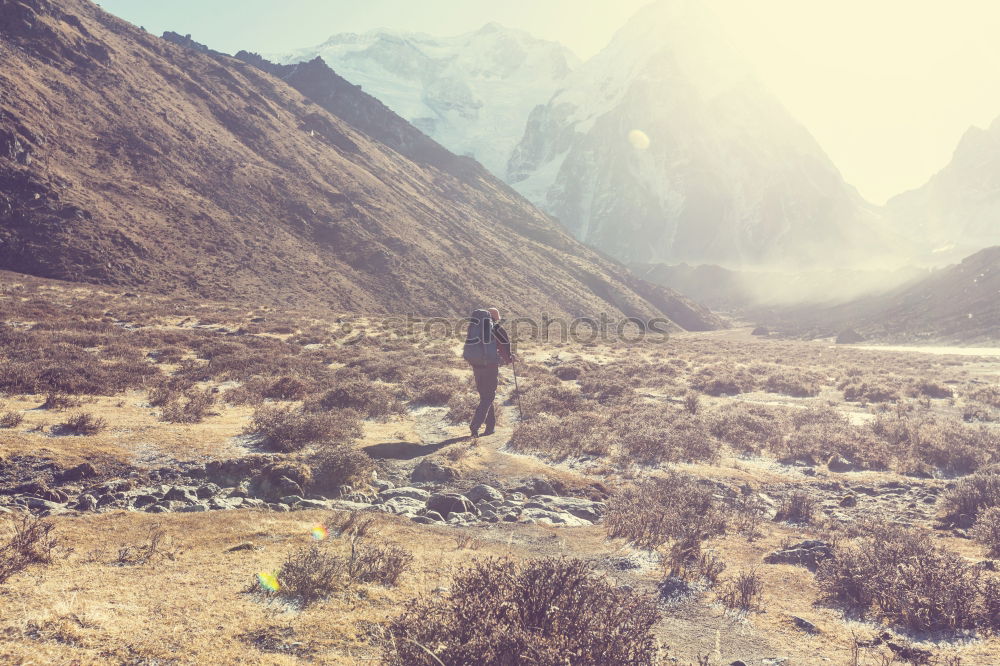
(489, 431)
(474, 431)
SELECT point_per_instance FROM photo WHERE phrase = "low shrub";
(556, 438)
(971, 495)
(749, 428)
(287, 429)
(652, 434)
(871, 388)
(314, 572)
(723, 379)
(83, 424)
(192, 408)
(335, 466)
(286, 388)
(987, 530)
(818, 434)
(662, 509)
(29, 541)
(357, 392)
(799, 507)
(792, 382)
(60, 401)
(430, 387)
(557, 399)
(899, 576)
(743, 592)
(549, 611)
(11, 419)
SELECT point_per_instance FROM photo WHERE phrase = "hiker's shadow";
(407, 450)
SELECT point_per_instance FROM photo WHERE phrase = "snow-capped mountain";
(471, 93)
(958, 210)
(664, 147)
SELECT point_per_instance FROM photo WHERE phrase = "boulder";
(807, 554)
(86, 503)
(40, 504)
(581, 508)
(484, 493)
(271, 488)
(447, 503)
(311, 504)
(548, 517)
(838, 463)
(180, 494)
(805, 625)
(208, 490)
(82, 471)
(434, 471)
(290, 499)
(403, 505)
(144, 500)
(193, 508)
(406, 491)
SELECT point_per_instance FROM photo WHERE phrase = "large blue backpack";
(480, 342)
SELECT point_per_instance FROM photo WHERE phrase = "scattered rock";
(310, 504)
(179, 494)
(838, 463)
(674, 588)
(581, 508)
(433, 471)
(805, 625)
(434, 516)
(447, 503)
(243, 546)
(82, 471)
(144, 500)
(403, 505)
(406, 491)
(208, 490)
(290, 499)
(86, 503)
(484, 493)
(807, 554)
(534, 515)
(193, 508)
(848, 501)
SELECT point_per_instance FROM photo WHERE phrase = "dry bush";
(946, 444)
(430, 387)
(557, 438)
(355, 391)
(663, 509)
(692, 402)
(157, 545)
(286, 388)
(799, 507)
(558, 399)
(987, 530)
(11, 419)
(932, 389)
(987, 395)
(749, 428)
(723, 379)
(168, 354)
(30, 542)
(549, 611)
(792, 382)
(83, 424)
(744, 592)
(314, 572)
(971, 495)
(898, 576)
(335, 466)
(653, 434)
(193, 408)
(462, 407)
(606, 386)
(59, 402)
(287, 429)
(820, 433)
(872, 388)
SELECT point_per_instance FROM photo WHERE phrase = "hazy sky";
(886, 86)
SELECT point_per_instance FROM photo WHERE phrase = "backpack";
(480, 342)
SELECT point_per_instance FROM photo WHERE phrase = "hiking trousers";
(487, 378)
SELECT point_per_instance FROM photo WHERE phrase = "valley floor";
(216, 439)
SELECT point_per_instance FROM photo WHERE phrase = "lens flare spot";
(268, 581)
(319, 532)
(638, 139)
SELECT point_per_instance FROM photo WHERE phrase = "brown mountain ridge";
(131, 161)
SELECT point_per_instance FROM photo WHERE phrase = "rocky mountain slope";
(958, 211)
(128, 160)
(472, 93)
(665, 147)
(956, 303)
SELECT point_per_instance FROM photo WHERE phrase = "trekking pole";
(517, 391)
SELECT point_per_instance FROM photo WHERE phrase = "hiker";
(487, 347)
